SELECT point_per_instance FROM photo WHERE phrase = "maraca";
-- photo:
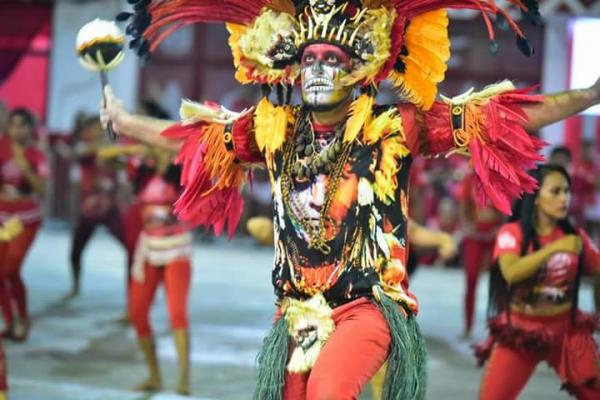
(100, 49)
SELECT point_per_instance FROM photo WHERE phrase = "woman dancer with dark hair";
(533, 313)
(23, 170)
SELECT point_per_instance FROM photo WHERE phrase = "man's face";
(323, 67)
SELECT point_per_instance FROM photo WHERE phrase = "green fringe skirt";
(406, 377)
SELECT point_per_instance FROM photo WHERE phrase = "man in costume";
(338, 166)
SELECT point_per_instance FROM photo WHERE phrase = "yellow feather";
(392, 150)
(428, 47)
(383, 125)
(360, 114)
(270, 125)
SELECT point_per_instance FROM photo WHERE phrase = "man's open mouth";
(319, 85)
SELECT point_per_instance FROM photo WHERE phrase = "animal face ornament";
(322, 6)
(323, 68)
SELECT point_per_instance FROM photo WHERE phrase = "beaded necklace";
(291, 160)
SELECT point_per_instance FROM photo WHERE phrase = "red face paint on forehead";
(327, 54)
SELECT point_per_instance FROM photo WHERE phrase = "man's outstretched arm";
(559, 106)
(144, 129)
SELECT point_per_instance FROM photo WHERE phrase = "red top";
(12, 179)
(157, 198)
(11, 174)
(553, 283)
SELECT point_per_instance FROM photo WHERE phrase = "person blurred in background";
(23, 173)
(3, 118)
(479, 225)
(98, 198)
(8, 232)
(162, 256)
(445, 220)
(142, 166)
(561, 155)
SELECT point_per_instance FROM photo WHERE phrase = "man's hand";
(112, 110)
(447, 248)
(596, 89)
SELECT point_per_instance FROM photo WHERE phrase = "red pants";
(176, 277)
(476, 255)
(13, 294)
(3, 385)
(573, 354)
(351, 357)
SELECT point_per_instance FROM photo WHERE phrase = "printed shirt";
(365, 227)
(367, 222)
(554, 282)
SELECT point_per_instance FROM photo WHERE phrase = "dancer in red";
(11, 229)
(23, 170)
(480, 225)
(99, 186)
(539, 261)
(162, 256)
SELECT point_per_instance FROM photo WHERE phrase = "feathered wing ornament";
(154, 20)
(492, 134)
(214, 171)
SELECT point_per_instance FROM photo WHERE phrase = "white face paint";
(323, 67)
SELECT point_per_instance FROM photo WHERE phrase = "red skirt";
(544, 337)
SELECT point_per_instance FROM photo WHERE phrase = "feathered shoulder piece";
(216, 154)
(488, 127)
(405, 41)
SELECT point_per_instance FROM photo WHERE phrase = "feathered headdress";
(405, 41)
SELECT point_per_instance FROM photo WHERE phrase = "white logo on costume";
(558, 265)
(507, 240)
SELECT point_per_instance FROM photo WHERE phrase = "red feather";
(202, 202)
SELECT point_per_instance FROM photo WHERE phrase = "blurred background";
(76, 350)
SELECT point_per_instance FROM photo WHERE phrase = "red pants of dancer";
(176, 277)
(132, 219)
(13, 294)
(351, 357)
(573, 355)
(3, 373)
(85, 228)
(476, 254)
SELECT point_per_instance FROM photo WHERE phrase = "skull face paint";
(323, 68)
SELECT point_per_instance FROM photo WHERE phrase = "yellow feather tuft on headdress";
(428, 46)
(235, 33)
(360, 113)
(251, 45)
(377, 28)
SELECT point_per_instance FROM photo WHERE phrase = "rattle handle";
(104, 81)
